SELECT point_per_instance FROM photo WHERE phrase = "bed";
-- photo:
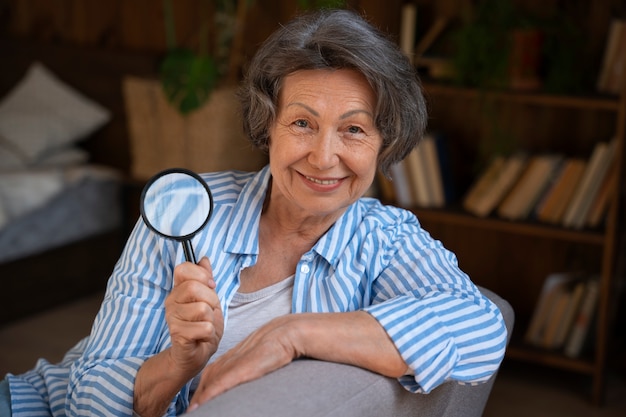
(66, 201)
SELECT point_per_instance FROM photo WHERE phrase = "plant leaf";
(187, 79)
(321, 4)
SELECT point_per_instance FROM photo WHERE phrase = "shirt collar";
(330, 245)
(243, 231)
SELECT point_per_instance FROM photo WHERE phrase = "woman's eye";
(301, 123)
(355, 129)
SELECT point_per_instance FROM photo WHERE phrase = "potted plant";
(190, 116)
(483, 44)
(188, 76)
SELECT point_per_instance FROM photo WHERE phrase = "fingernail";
(192, 407)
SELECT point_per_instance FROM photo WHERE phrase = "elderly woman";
(294, 262)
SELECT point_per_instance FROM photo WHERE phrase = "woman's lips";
(322, 184)
(321, 181)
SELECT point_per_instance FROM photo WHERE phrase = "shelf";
(459, 218)
(515, 257)
(553, 359)
(607, 103)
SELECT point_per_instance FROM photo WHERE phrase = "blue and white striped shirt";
(375, 258)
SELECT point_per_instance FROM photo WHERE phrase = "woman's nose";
(324, 150)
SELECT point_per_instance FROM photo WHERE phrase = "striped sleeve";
(444, 328)
(129, 328)
(41, 391)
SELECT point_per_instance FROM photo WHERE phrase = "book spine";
(433, 171)
(401, 186)
(582, 323)
(575, 209)
(417, 178)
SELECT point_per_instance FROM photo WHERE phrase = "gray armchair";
(308, 388)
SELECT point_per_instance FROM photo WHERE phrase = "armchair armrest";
(308, 388)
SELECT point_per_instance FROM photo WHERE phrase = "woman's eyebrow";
(308, 108)
(353, 112)
(343, 116)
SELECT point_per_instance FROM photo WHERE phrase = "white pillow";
(42, 113)
(10, 156)
(63, 157)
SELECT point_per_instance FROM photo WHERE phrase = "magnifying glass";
(177, 204)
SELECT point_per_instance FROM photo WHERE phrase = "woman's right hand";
(194, 316)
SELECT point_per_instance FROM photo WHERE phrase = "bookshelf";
(513, 258)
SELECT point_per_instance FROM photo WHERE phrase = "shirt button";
(305, 269)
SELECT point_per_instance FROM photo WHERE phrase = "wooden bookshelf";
(513, 258)
(493, 239)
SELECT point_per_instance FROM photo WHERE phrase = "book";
(582, 322)
(576, 295)
(556, 201)
(417, 178)
(613, 67)
(401, 185)
(609, 57)
(504, 180)
(553, 287)
(434, 179)
(524, 195)
(556, 317)
(585, 192)
(547, 189)
(484, 183)
(600, 205)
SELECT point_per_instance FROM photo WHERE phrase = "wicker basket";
(210, 139)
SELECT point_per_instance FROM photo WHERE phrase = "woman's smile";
(322, 184)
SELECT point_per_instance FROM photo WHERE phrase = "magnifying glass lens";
(176, 204)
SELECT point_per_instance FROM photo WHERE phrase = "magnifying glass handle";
(189, 255)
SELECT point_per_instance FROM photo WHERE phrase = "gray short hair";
(337, 39)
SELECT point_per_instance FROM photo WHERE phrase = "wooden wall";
(139, 24)
(590, 17)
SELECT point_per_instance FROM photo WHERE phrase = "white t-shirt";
(249, 311)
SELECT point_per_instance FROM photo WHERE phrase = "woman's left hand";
(353, 338)
(265, 350)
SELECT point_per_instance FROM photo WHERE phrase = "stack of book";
(564, 314)
(572, 192)
(423, 178)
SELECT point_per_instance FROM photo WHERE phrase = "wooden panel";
(139, 24)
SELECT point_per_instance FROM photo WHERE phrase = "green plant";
(481, 44)
(566, 69)
(188, 76)
(320, 4)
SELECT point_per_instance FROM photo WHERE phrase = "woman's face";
(324, 144)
